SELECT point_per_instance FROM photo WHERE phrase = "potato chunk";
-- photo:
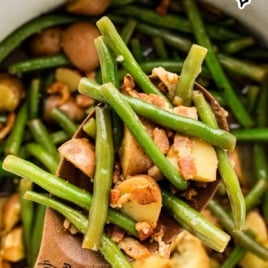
(12, 92)
(196, 159)
(78, 45)
(144, 200)
(205, 159)
(81, 153)
(12, 247)
(68, 76)
(88, 7)
(133, 158)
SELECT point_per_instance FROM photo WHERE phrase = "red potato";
(47, 42)
(81, 153)
(78, 44)
(88, 7)
(69, 107)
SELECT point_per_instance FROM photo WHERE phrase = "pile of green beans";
(234, 71)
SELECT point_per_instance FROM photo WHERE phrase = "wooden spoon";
(61, 249)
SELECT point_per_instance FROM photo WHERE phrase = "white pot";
(254, 15)
(14, 13)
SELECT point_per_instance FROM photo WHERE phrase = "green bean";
(159, 46)
(102, 181)
(133, 123)
(114, 41)
(136, 49)
(37, 232)
(175, 40)
(241, 237)
(214, 65)
(255, 53)
(218, 96)
(265, 206)
(194, 222)
(259, 151)
(128, 30)
(3, 173)
(167, 119)
(63, 189)
(41, 136)
(190, 70)
(64, 121)
(34, 96)
(255, 194)
(149, 16)
(261, 107)
(113, 254)
(184, 125)
(255, 72)
(147, 66)
(108, 65)
(252, 96)
(225, 167)
(15, 138)
(108, 248)
(183, 44)
(118, 131)
(27, 215)
(234, 258)
(167, 64)
(236, 45)
(173, 22)
(42, 155)
(257, 134)
(26, 30)
(109, 74)
(90, 127)
(233, 189)
(260, 161)
(58, 137)
(40, 63)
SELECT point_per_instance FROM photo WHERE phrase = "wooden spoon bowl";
(59, 248)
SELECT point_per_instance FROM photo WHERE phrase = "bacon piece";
(160, 138)
(183, 147)
(169, 79)
(186, 111)
(62, 90)
(144, 229)
(134, 248)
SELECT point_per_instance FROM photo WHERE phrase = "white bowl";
(14, 13)
(254, 15)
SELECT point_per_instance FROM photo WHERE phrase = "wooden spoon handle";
(60, 249)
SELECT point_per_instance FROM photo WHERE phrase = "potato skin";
(47, 42)
(78, 45)
(12, 92)
(88, 7)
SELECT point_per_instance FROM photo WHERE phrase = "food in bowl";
(61, 70)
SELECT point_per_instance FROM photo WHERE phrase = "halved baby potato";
(81, 153)
(142, 198)
(133, 158)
